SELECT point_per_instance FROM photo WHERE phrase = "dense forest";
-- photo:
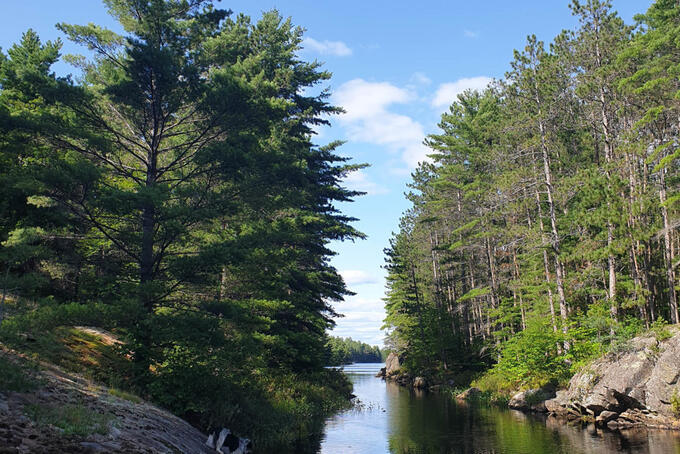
(346, 350)
(544, 230)
(171, 192)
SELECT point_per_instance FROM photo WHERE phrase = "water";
(393, 419)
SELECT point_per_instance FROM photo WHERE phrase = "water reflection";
(396, 420)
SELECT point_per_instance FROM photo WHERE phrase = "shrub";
(675, 403)
(660, 330)
(15, 376)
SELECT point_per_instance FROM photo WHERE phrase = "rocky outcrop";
(394, 372)
(392, 365)
(532, 399)
(129, 424)
(626, 389)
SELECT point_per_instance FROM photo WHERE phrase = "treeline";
(172, 193)
(346, 351)
(545, 230)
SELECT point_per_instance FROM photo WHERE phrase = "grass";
(78, 351)
(76, 420)
(125, 395)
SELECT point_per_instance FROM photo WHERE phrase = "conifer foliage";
(544, 229)
(173, 193)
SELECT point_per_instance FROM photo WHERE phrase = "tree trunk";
(669, 252)
(4, 295)
(559, 272)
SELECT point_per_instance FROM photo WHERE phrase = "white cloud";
(359, 181)
(470, 34)
(448, 93)
(415, 153)
(357, 277)
(362, 99)
(420, 78)
(335, 48)
(362, 321)
(368, 118)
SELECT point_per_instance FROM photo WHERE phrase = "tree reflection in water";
(402, 421)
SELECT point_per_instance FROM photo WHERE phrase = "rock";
(518, 401)
(403, 379)
(532, 399)
(539, 407)
(623, 390)
(664, 377)
(469, 394)
(641, 377)
(382, 373)
(606, 416)
(558, 404)
(392, 364)
(91, 447)
(419, 383)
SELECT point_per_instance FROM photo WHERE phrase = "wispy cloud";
(420, 79)
(470, 34)
(369, 118)
(334, 48)
(448, 93)
(363, 317)
(358, 277)
(360, 181)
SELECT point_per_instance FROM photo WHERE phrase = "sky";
(396, 67)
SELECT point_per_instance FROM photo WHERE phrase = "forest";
(543, 233)
(347, 350)
(171, 192)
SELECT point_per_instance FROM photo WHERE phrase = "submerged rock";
(606, 416)
(419, 383)
(469, 394)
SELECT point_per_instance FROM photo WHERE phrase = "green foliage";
(175, 196)
(346, 350)
(660, 330)
(125, 395)
(542, 233)
(675, 403)
(529, 359)
(15, 376)
(72, 419)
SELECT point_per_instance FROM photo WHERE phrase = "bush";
(660, 330)
(15, 376)
(675, 403)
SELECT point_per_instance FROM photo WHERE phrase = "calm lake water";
(392, 419)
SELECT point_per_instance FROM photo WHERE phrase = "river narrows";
(393, 419)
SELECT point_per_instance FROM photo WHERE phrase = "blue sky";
(396, 67)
